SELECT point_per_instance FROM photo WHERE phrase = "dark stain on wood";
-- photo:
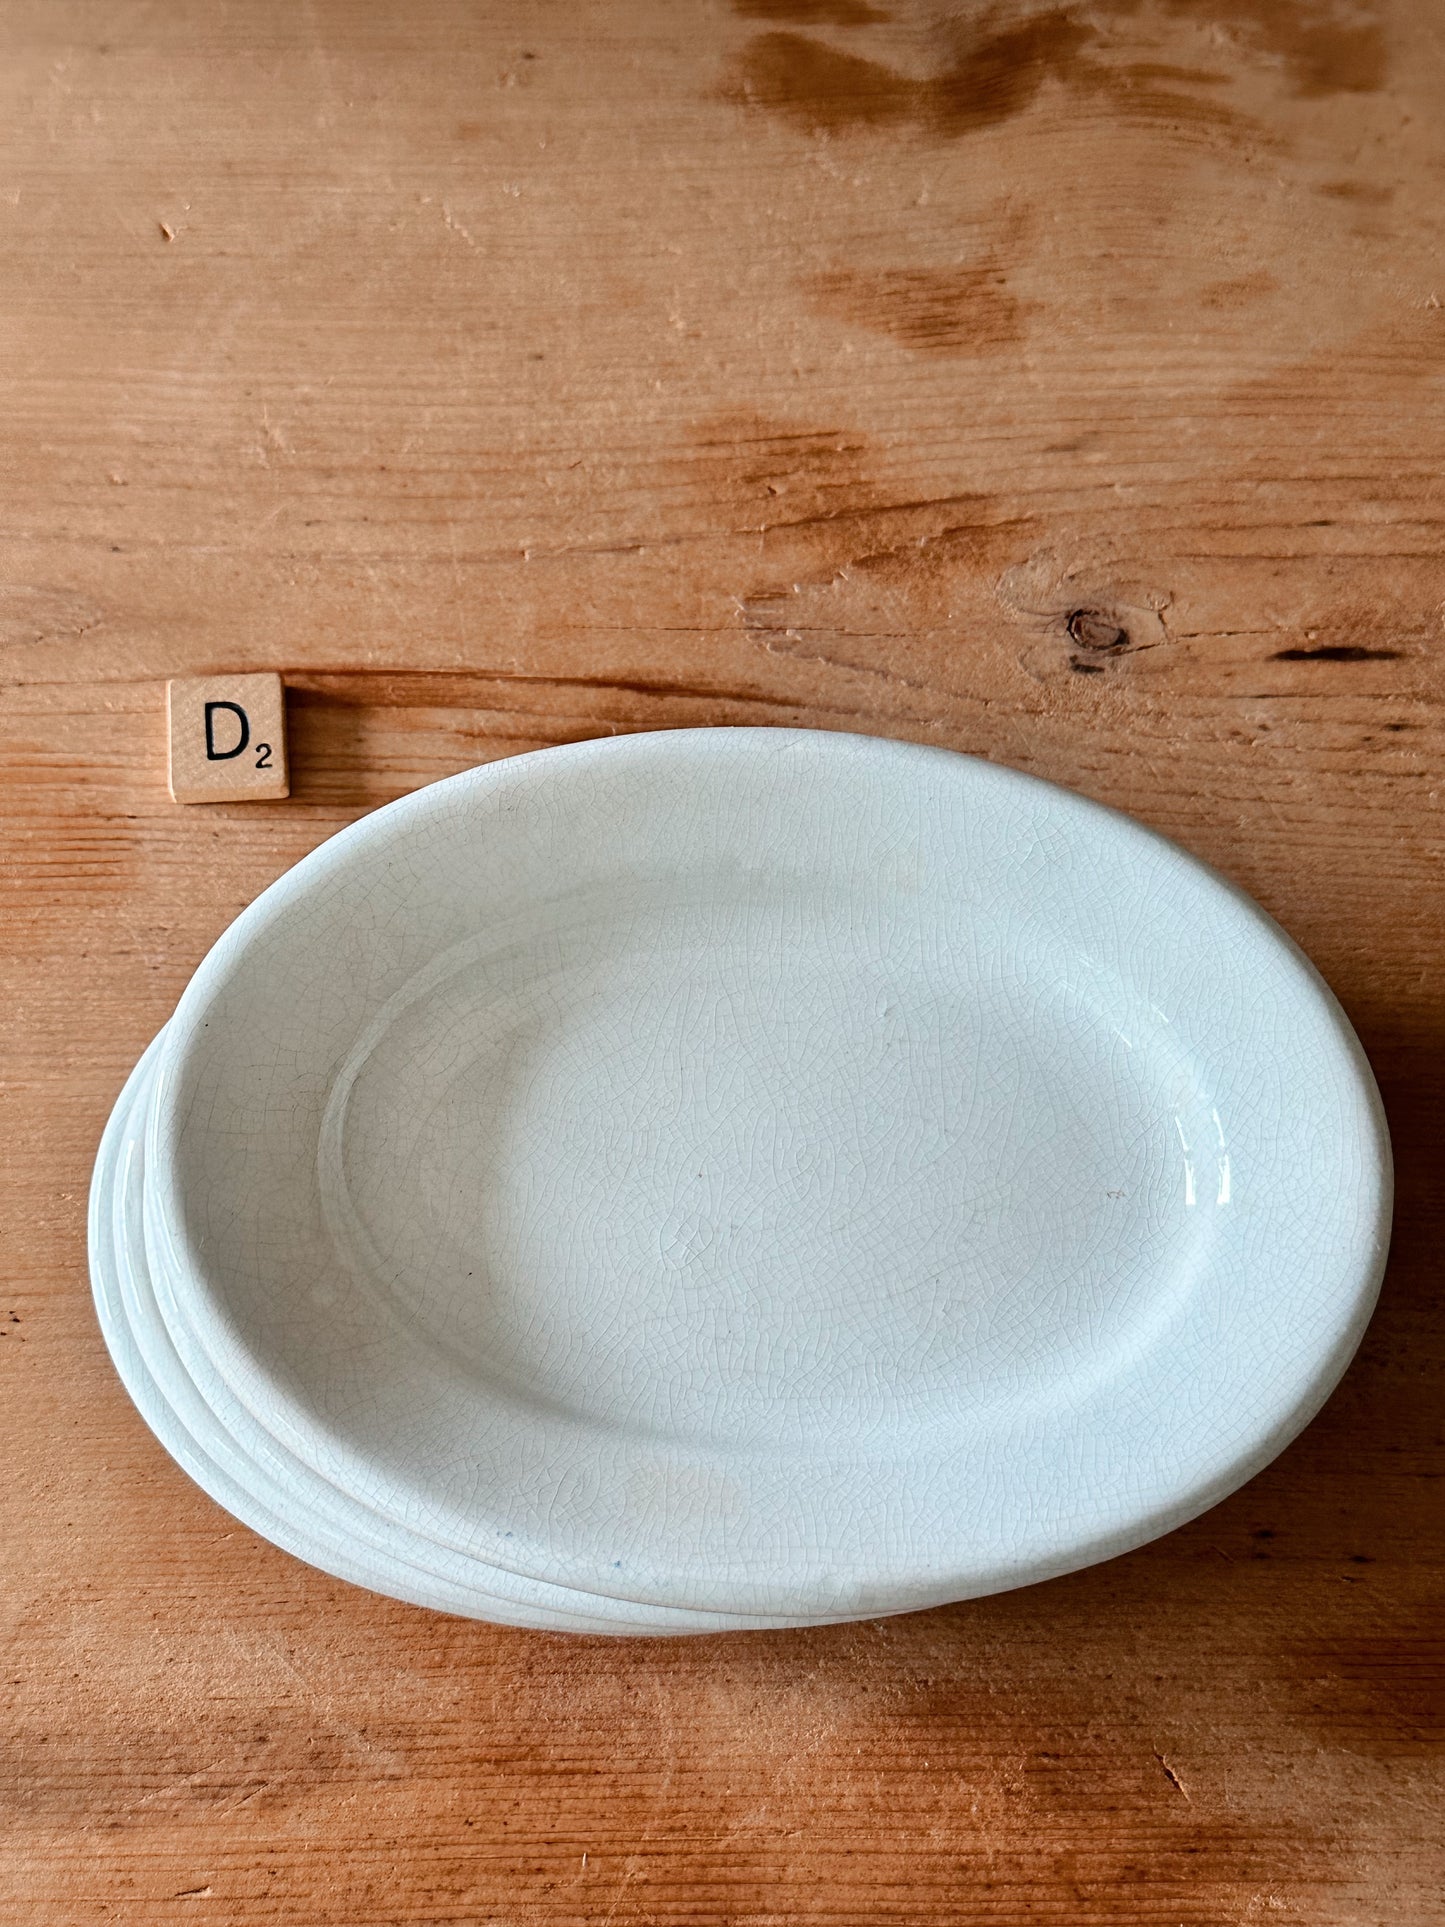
(1370, 193)
(998, 63)
(967, 310)
(1336, 652)
(1339, 60)
(995, 75)
(821, 89)
(812, 13)
(494, 689)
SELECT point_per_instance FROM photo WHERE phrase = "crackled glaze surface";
(765, 1172)
(754, 1172)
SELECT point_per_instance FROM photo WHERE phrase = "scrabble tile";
(228, 738)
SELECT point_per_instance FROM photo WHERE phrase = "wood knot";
(1096, 629)
(1078, 621)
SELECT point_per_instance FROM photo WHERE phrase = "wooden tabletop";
(1063, 383)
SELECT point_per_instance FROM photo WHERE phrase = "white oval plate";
(767, 1172)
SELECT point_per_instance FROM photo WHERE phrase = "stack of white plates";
(736, 1178)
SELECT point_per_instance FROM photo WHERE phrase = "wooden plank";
(1057, 382)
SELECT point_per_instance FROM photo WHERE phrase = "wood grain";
(1061, 383)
